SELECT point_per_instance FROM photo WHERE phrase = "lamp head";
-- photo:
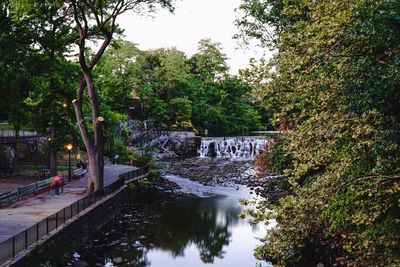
(69, 147)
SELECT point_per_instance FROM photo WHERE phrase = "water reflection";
(193, 221)
(145, 233)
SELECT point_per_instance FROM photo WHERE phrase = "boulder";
(183, 144)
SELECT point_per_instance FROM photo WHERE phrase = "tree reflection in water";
(167, 224)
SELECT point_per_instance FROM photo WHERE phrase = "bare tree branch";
(94, 11)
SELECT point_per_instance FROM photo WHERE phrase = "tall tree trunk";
(94, 143)
(104, 18)
(52, 87)
(96, 171)
(96, 159)
(52, 149)
(52, 143)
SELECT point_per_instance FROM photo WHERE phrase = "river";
(197, 227)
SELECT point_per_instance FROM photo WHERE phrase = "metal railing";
(20, 242)
(21, 133)
(9, 136)
(20, 163)
(128, 176)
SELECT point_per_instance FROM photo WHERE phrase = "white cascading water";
(232, 147)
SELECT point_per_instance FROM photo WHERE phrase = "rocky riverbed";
(223, 172)
(214, 172)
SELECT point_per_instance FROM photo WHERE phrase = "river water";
(199, 227)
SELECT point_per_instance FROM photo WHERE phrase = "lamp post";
(69, 148)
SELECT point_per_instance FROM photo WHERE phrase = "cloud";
(192, 21)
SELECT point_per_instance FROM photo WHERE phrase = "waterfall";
(231, 147)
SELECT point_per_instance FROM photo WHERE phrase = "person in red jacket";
(57, 183)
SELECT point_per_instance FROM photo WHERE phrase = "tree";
(115, 75)
(15, 58)
(196, 92)
(160, 76)
(209, 63)
(335, 81)
(181, 108)
(98, 20)
(51, 39)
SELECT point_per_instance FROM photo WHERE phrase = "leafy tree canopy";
(334, 83)
(177, 91)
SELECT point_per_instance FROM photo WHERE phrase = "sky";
(192, 21)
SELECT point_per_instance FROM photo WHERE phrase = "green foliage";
(333, 86)
(114, 74)
(153, 169)
(278, 157)
(181, 108)
(46, 264)
(154, 174)
(209, 63)
(125, 154)
(34, 42)
(179, 92)
(15, 57)
(159, 110)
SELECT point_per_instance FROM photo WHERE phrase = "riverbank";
(215, 172)
(230, 173)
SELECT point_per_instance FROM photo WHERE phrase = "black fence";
(133, 174)
(9, 136)
(20, 242)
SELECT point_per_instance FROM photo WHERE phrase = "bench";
(26, 190)
(8, 197)
(44, 184)
(115, 159)
(79, 172)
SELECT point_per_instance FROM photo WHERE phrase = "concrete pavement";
(24, 214)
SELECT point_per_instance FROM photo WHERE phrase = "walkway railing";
(20, 242)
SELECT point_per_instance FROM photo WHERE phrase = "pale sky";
(192, 21)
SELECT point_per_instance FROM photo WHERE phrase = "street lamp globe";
(69, 147)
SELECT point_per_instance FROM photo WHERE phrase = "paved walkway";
(24, 214)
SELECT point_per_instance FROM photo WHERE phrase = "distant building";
(135, 108)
